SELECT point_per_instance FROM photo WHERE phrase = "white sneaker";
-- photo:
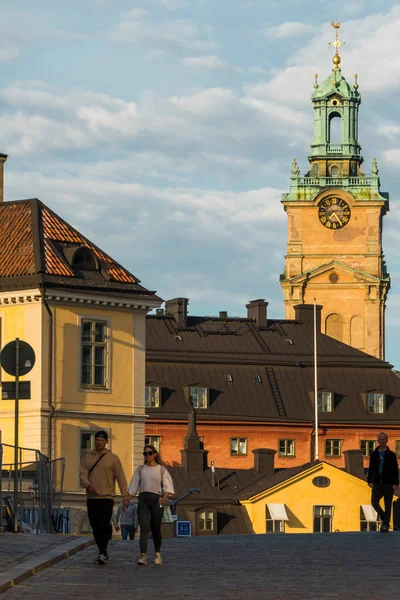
(157, 559)
(142, 560)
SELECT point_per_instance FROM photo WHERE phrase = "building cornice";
(100, 416)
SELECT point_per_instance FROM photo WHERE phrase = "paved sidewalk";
(22, 555)
(263, 567)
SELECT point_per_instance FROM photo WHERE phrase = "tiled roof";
(32, 243)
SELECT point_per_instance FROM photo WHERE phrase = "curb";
(36, 564)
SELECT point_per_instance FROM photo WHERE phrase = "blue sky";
(164, 130)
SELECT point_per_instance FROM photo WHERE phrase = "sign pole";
(16, 440)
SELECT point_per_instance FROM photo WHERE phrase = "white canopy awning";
(278, 512)
(370, 513)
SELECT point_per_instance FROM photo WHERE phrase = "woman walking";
(155, 486)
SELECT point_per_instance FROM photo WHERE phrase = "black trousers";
(385, 491)
(99, 513)
(150, 514)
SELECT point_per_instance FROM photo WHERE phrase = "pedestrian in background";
(155, 485)
(99, 471)
(125, 518)
(383, 478)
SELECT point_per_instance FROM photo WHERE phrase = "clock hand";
(337, 218)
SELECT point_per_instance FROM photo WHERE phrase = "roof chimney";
(354, 463)
(3, 158)
(305, 314)
(193, 456)
(178, 309)
(264, 459)
(223, 314)
(257, 310)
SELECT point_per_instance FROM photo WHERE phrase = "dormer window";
(198, 396)
(325, 401)
(84, 259)
(375, 403)
(257, 379)
(152, 397)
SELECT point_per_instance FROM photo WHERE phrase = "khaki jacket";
(104, 475)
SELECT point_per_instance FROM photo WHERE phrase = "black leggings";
(99, 513)
(150, 514)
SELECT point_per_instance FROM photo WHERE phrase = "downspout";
(50, 389)
(311, 442)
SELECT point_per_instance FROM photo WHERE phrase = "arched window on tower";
(357, 332)
(334, 171)
(334, 326)
(335, 128)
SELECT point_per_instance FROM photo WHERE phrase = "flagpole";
(316, 454)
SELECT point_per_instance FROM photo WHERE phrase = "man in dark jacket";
(383, 478)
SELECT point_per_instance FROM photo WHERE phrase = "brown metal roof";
(209, 349)
(32, 243)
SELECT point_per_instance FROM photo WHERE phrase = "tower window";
(335, 129)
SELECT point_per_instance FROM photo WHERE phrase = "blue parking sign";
(183, 528)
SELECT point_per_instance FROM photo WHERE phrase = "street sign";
(8, 390)
(8, 358)
(183, 528)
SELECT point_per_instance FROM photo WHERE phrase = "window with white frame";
(198, 396)
(94, 345)
(325, 401)
(323, 519)
(153, 440)
(333, 447)
(367, 447)
(375, 403)
(286, 448)
(273, 525)
(206, 520)
(238, 446)
(152, 396)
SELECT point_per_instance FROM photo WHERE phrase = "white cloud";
(392, 156)
(209, 63)
(288, 29)
(169, 4)
(8, 54)
(174, 35)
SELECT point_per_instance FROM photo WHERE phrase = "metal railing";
(333, 181)
(40, 485)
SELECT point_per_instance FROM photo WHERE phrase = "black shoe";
(101, 559)
(384, 528)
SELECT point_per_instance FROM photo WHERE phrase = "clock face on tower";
(334, 213)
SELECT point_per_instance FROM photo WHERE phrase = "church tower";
(334, 250)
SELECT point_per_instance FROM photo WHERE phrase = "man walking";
(99, 470)
(126, 518)
(383, 478)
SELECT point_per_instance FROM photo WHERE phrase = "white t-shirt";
(156, 480)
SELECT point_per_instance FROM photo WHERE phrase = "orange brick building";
(251, 381)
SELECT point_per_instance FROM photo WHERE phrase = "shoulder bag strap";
(96, 463)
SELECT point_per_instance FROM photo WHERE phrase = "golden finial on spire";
(356, 86)
(336, 59)
(316, 86)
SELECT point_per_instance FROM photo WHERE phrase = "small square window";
(286, 448)
(367, 447)
(324, 400)
(333, 447)
(228, 378)
(152, 397)
(153, 440)
(206, 520)
(375, 403)
(273, 526)
(238, 446)
(257, 379)
(198, 396)
(178, 338)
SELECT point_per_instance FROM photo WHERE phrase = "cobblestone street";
(290, 567)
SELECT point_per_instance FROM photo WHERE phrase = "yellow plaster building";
(314, 498)
(84, 315)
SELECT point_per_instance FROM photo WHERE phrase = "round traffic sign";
(8, 358)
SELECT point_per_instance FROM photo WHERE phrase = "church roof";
(37, 247)
(335, 84)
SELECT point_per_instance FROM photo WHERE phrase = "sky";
(164, 130)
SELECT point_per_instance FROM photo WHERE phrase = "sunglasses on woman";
(150, 453)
